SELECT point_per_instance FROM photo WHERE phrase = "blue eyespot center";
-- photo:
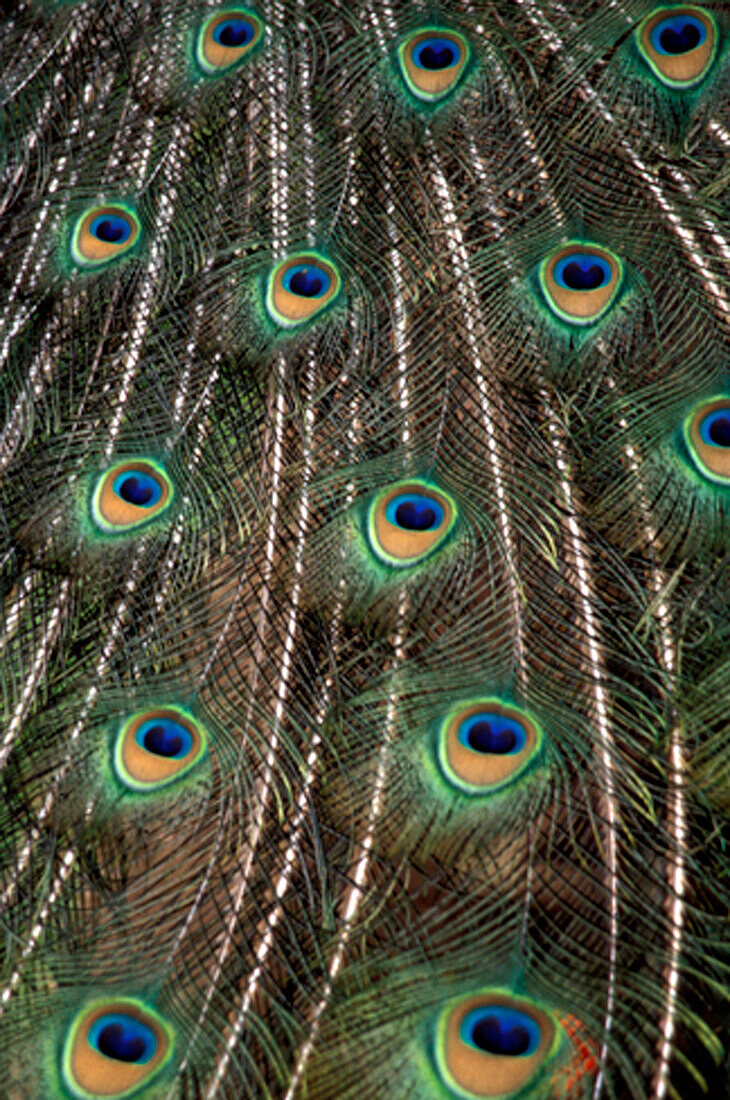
(415, 516)
(488, 732)
(582, 272)
(307, 281)
(413, 512)
(138, 488)
(715, 428)
(436, 54)
(488, 1034)
(111, 229)
(483, 737)
(164, 737)
(234, 33)
(678, 34)
(498, 1029)
(123, 1038)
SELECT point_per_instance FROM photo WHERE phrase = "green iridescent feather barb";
(364, 550)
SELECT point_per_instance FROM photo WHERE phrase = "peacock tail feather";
(364, 553)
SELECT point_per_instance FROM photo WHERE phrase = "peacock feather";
(364, 550)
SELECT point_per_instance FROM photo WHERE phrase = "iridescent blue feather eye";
(129, 495)
(414, 512)
(226, 39)
(500, 1029)
(103, 234)
(110, 228)
(715, 428)
(164, 737)
(114, 1048)
(678, 34)
(578, 271)
(678, 44)
(489, 732)
(307, 281)
(494, 1045)
(436, 54)
(123, 1038)
(432, 62)
(484, 745)
(137, 487)
(707, 435)
(580, 282)
(234, 33)
(157, 747)
(300, 288)
(407, 522)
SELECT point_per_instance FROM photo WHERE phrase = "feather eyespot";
(499, 1029)
(114, 1047)
(129, 495)
(484, 745)
(409, 521)
(493, 1044)
(300, 288)
(432, 62)
(580, 282)
(678, 44)
(227, 38)
(157, 747)
(103, 234)
(707, 435)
